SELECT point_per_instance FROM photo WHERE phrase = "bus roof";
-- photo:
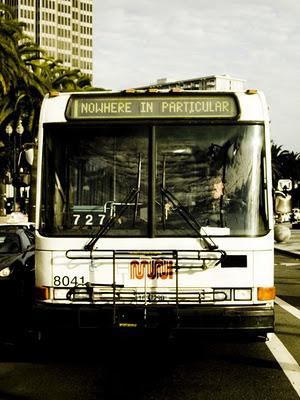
(250, 104)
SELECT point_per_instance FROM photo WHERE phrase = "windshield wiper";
(133, 195)
(110, 222)
(182, 210)
(189, 218)
(138, 190)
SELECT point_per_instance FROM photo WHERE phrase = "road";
(157, 368)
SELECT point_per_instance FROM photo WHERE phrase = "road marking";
(287, 264)
(287, 362)
(286, 306)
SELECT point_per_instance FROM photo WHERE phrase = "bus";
(154, 211)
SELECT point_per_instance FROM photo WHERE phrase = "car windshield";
(9, 243)
(147, 181)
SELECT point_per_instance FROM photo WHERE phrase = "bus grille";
(104, 295)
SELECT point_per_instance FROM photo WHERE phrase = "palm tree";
(62, 78)
(26, 75)
(285, 164)
(19, 86)
(31, 89)
(10, 33)
(276, 162)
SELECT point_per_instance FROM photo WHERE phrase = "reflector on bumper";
(266, 293)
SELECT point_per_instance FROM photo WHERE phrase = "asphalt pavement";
(290, 246)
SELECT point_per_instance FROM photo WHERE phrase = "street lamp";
(10, 132)
(20, 130)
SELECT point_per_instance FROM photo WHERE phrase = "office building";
(64, 28)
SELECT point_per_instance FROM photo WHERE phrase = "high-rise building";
(64, 28)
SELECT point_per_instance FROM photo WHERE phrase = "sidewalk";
(290, 247)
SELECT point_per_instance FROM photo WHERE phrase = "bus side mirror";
(29, 155)
(22, 177)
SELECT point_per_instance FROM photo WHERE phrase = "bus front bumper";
(256, 319)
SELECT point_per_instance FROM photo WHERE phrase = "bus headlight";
(242, 294)
(222, 294)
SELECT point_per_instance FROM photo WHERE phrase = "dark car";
(16, 263)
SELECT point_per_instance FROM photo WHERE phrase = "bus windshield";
(153, 181)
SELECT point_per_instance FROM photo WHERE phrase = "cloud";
(139, 41)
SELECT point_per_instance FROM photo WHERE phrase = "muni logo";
(153, 269)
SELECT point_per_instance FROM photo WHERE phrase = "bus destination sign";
(88, 107)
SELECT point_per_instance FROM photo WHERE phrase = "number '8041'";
(68, 280)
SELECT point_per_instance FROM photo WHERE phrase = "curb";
(287, 252)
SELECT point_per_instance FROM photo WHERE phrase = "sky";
(137, 42)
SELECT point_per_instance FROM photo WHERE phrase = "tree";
(10, 33)
(21, 89)
(62, 78)
(27, 74)
(285, 164)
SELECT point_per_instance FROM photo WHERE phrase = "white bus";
(154, 210)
